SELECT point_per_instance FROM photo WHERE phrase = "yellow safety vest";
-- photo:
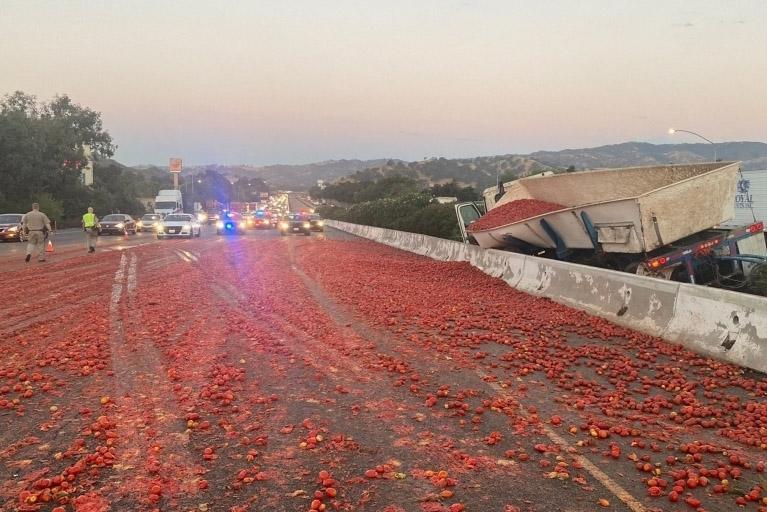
(89, 220)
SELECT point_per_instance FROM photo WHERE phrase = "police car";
(230, 224)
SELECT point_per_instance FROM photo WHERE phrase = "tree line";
(43, 151)
(395, 202)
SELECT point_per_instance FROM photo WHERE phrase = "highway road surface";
(274, 373)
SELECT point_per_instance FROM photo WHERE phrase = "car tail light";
(658, 262)
(756, 228)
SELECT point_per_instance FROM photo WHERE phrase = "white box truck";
(168, 201)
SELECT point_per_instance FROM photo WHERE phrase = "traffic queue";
(177, 224)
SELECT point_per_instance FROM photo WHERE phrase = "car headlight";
(307, 225)
(141, 223)
(242, 224)
(13, 229)
(320, 223)
(120, 225)
(219, 224)
(202, 217)
(283, 225)
(188, 225)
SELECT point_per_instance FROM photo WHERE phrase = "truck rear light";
(658, 262)
(756, 228)
(706, 247)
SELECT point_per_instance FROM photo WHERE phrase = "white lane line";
(181, 255)
(132, 274)
(189, 255)
(614, 487)
(117, 286)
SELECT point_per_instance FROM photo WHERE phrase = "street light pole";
(672, 131)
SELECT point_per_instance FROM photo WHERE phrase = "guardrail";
(726, 325)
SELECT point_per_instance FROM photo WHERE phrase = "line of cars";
(184, 225)
(232, 223)
(171, 225)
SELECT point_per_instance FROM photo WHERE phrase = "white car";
(179, 225)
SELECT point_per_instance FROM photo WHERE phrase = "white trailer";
(664, 221)
(750, 198)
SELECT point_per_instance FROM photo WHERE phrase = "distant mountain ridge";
(752, 154)
(483, 171)
(291, 177)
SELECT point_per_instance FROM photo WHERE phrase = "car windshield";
(10, 219)
(296, 216)
(150, 217)
(166, 205)
(315, 217)
(114, 218)
(177, 218)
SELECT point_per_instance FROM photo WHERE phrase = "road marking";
(117, 286)
(183, 256)
(611, 485)
(132, 274)
(190, 255)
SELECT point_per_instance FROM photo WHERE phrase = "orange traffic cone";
(49, 247)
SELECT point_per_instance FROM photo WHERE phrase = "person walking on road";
(37, 226)
(91, 228)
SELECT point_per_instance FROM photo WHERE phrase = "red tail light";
(756, 228)
(658, 262)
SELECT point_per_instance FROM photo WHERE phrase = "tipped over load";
(630, 210)
(514, 211)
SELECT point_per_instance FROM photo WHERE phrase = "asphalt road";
(298, 202)
(70, 242)
(294, 373)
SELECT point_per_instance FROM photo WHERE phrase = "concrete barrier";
(718, 323)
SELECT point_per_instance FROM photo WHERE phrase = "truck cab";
(168, 201)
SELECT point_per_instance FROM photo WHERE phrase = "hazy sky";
(298, 81)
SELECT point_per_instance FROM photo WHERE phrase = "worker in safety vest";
(91, 228)
(37, 226)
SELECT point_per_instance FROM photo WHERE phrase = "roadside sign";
(175, 165)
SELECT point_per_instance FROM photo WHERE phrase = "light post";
(672, 131)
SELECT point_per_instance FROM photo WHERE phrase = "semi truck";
(168, 201)
(667, 222)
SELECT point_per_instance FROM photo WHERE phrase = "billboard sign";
(175, 165)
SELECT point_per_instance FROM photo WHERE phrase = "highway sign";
(175, 165)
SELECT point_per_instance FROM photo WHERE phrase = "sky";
(297, 81)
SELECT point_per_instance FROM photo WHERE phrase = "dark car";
(230, 224)
(149, 222)
(295, 224)
(117, 224)
(10, 227)
(317, 223)
(261, 220)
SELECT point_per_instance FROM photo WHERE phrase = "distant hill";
(482, 171)
(291, 177)
(752, 154)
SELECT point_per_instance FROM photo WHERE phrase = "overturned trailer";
(662, 221)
